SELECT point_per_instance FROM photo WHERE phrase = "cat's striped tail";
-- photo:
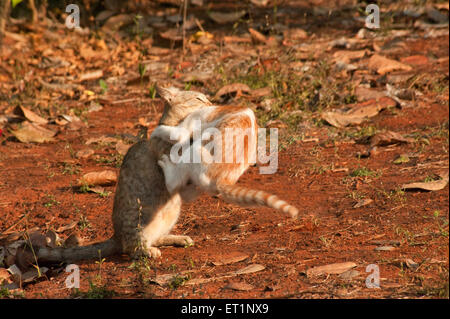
(252, 197)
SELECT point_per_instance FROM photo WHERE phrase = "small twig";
(199, 25)
(14, 225)
(185, 3)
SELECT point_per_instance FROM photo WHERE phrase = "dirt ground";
(323, 170)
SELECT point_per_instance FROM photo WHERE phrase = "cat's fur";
(144, 211)
(214, 177)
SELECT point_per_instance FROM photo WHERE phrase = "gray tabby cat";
(144, 212)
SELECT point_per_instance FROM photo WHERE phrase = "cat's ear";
(167, 93)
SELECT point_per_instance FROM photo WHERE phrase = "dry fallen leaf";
(384, 65)
(30, 132)
(102, 139)
(363, 202)
(257, 36)
(260, 3)
(94, 75)
(237, 88)
(261, 92)
(98, 178)
(349, 274)
(429, 186)
(197, 76)
(385, 248)
(230, 259)
(172, 34)
(166, 279)
(116, 22)
(337, 268)
(411, 263)
(29, 115)
(346, 56)
(223, 18)
(66, 227)
(358, 113)
(85, 153)
(389, 138)
(364, 94)
(5, 276)
(239, 286)
(249, 269)
(295, 34)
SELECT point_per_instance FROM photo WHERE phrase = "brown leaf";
(295, 34)
(386, 242)
(94, 75)
(349, 274)
(249, 269)
(102, 139)
(98, 178)
(357, 114)
(346, 56)
(418, 60)
(384, 65)
(337, 268)
(172, 34)
(116, 22)
(29, 115)
(239, 286)
(257, 36)
(429, 186)
(85, 153)
(364, 94)
(30, 132)
(261, 92)
(66, 227)
(276, 123)
(363, 202)
(235, 39)
(260, 3)
(223, 18)
(232, 88)
(5, 277)
(389, 138)
(166, 279)
(197, 76)
(411, 263)
(230, 259)
(385, 248)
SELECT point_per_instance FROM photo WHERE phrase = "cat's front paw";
(154, 252)
(165, 162)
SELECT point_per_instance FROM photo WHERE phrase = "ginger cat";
(198, 167)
